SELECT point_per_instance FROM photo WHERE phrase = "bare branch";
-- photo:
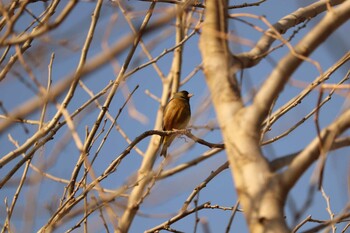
(93, 64)
(117, 81)
(197, 189)
(176, 218)
(281, 74)
(260, 50)
(298, 99)
(311, 152)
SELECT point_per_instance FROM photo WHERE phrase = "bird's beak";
(190, 95)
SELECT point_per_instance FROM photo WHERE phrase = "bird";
(177, 114)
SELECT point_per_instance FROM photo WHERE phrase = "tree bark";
(262, 192)
(257, 186)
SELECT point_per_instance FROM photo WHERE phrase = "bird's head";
(183, 94)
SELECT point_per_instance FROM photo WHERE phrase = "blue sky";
(168, 195)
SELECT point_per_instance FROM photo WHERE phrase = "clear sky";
(167, 196)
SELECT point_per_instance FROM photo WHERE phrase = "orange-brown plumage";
(177, 114)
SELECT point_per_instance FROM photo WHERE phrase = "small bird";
(177, 114)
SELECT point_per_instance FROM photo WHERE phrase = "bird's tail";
(164, 146)
(163, 152)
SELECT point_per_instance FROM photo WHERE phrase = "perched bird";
(177, 114)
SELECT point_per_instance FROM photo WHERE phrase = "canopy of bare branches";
(84, 85)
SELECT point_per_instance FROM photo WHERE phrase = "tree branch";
(176, 218)
(254, 56)
(283, 161)
(281, 74)
(93, 64)
(303, 161)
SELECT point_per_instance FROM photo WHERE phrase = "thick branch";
(145, 171)
(254, 56)
(257, 188)
(305, 92)
(281, 74)
(303, 161)
(281, 162)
